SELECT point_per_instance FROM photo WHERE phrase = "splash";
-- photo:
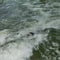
(17, 19)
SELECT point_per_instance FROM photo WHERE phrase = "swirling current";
(29, 29)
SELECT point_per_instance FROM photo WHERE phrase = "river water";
(30, 30)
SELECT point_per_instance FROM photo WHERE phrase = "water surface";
(30, 30)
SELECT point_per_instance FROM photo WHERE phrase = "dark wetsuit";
(30, 34)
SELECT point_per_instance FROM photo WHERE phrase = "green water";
(20, 17)
(50, 49)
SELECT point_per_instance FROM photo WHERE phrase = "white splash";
(22, 48)
(3, 35)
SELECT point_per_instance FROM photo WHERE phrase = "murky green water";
(30, 29)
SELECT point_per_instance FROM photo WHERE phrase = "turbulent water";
(29, 29)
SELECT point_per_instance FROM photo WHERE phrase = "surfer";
(30, 34)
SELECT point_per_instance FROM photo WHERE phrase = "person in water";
(30, 34)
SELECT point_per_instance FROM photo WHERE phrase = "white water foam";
(22, 49)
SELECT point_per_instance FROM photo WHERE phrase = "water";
(19, 19)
